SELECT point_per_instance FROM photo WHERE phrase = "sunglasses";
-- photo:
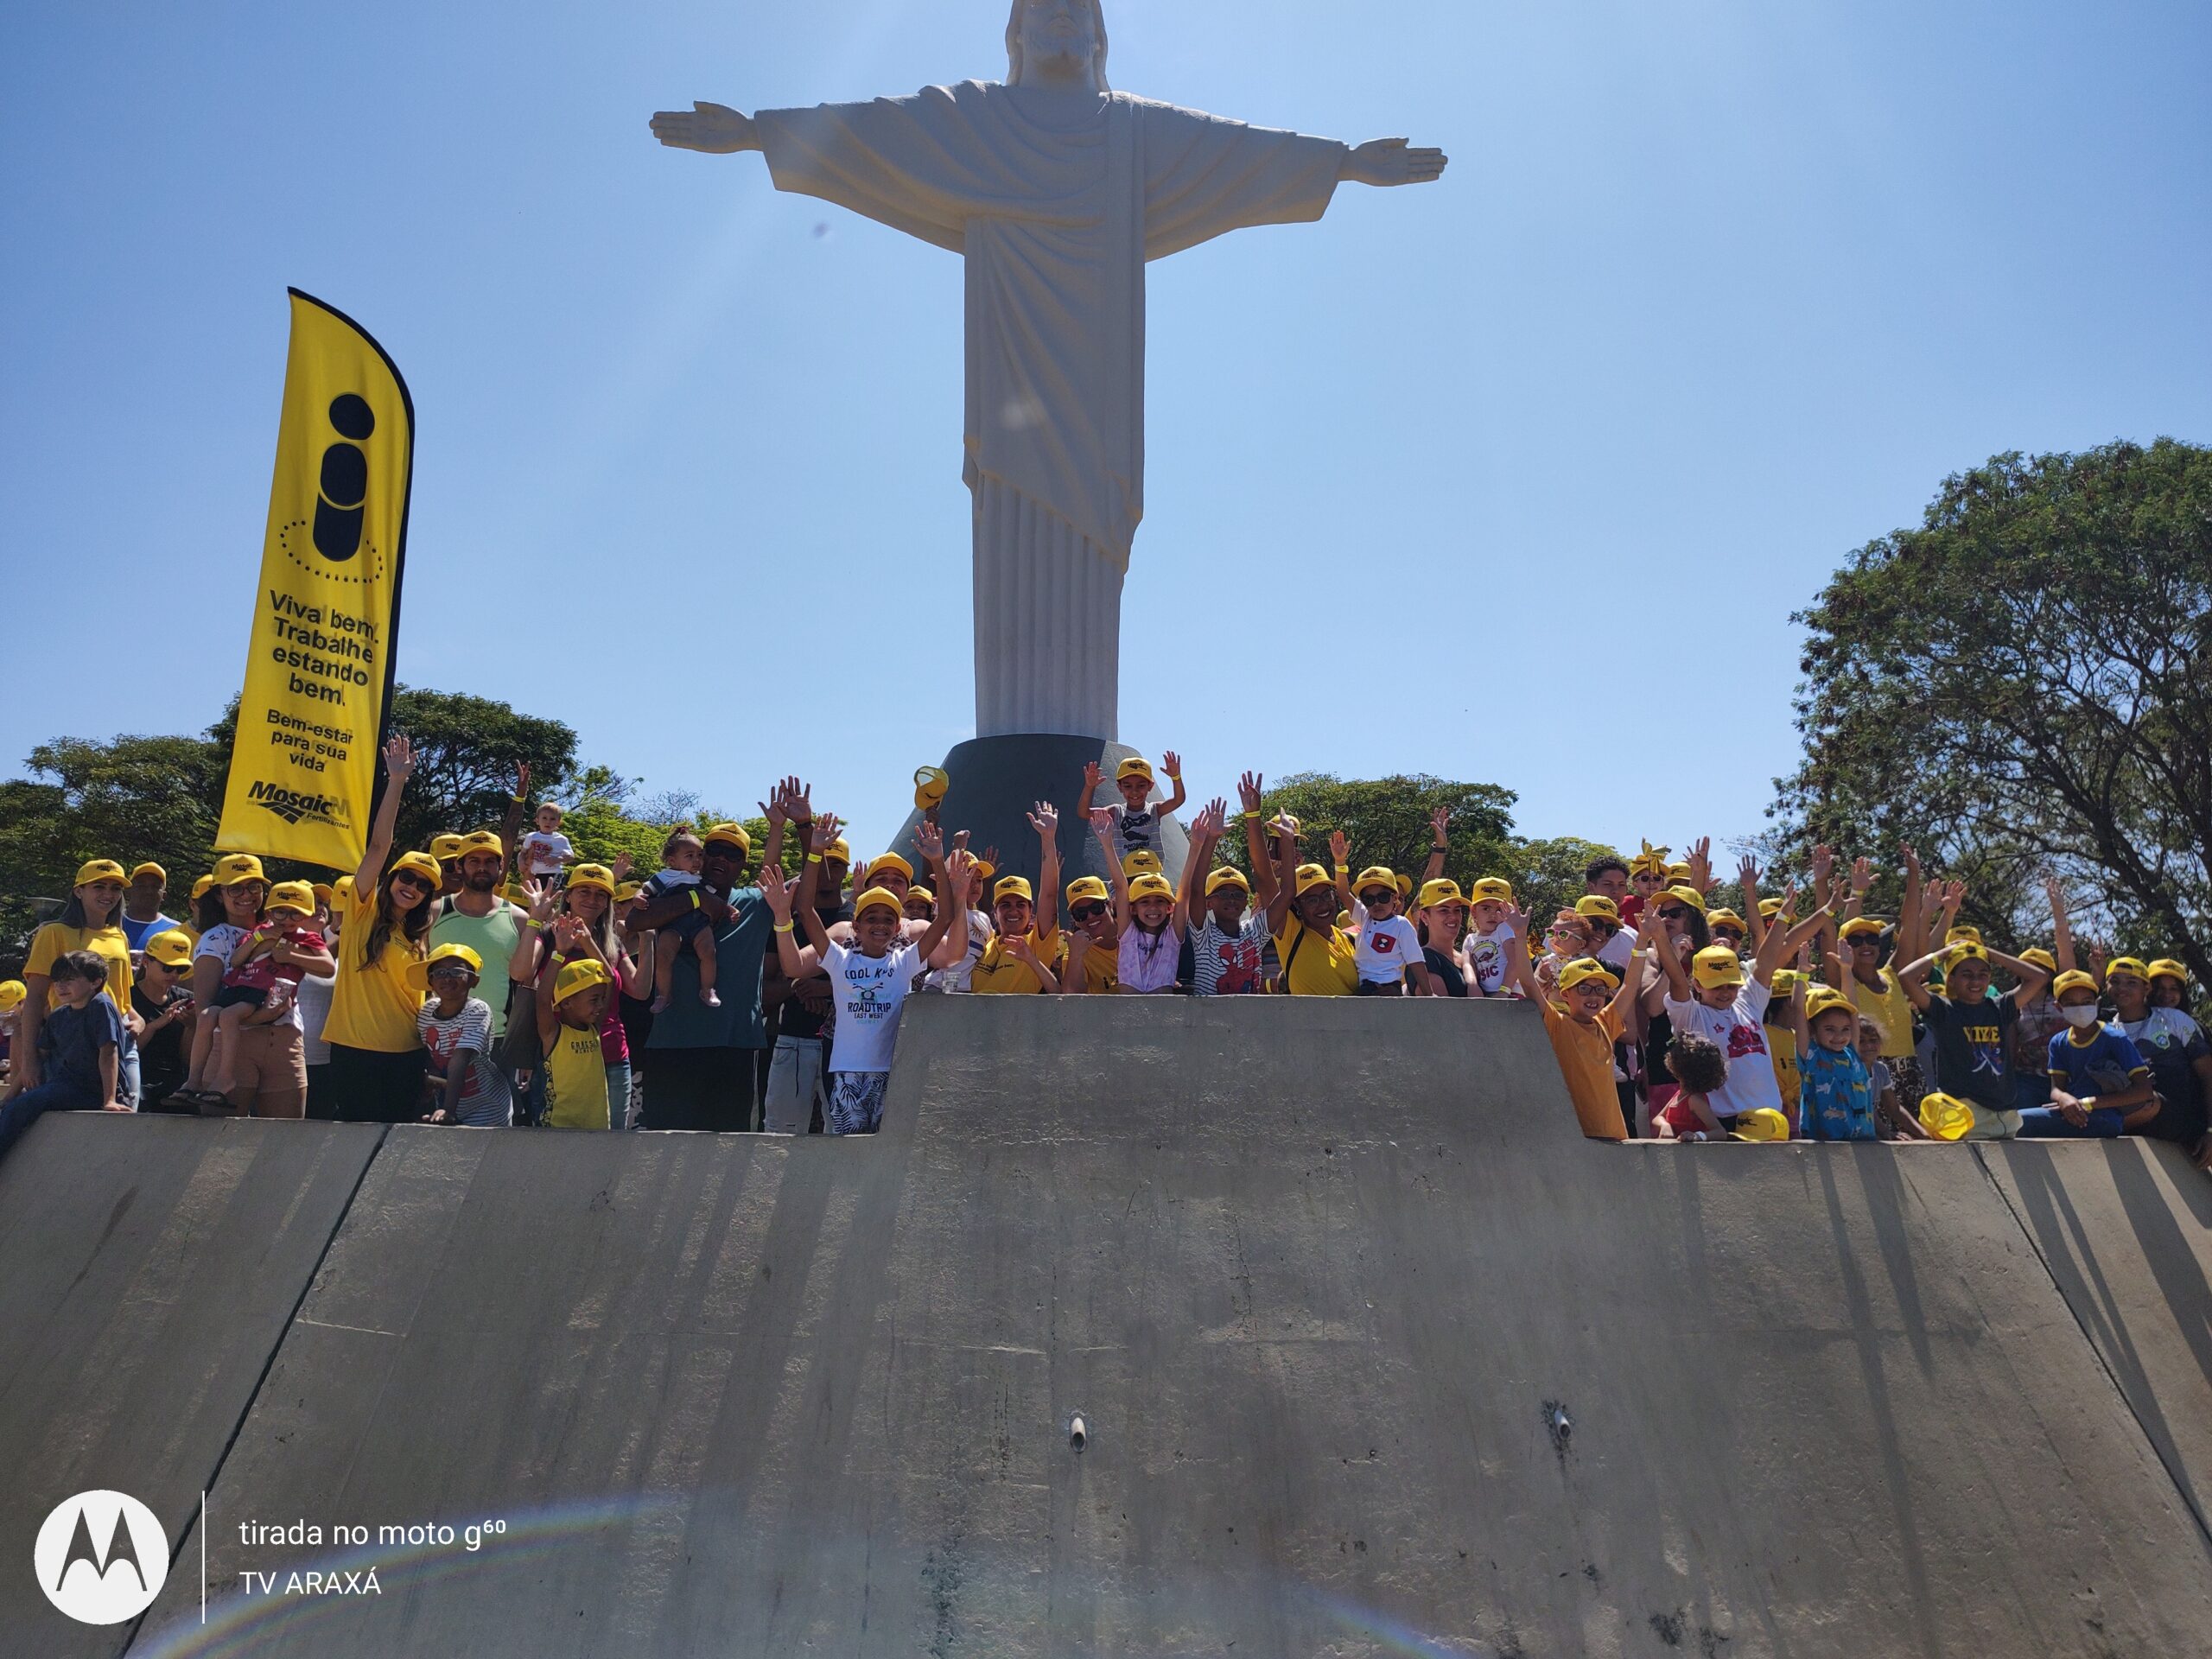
(411, 879)
(1087, 912)
(1673, 912)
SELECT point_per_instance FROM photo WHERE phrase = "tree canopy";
(2022, 685)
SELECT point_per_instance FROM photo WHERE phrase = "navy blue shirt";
(2105, 1064)
(69, 1044)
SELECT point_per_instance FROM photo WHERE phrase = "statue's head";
(1058, 41)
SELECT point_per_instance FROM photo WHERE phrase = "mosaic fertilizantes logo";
(101, 1557)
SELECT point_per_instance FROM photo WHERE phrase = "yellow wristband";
(783, 927)
(814, 858)
(1343, 869)
(1251, 814)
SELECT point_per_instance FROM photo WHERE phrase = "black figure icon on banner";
(342, 500)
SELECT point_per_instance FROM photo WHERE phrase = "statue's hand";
(1387, 161)
(715, 128)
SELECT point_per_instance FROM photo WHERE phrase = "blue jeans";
(25, 1109)
(2030, 1091)
(2044, 1123)
(618, 1094)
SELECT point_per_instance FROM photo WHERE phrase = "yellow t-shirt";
(1782, 1043)
(372, 1004)
(575, 1080)
(1102, 969)
(110, 944)
(1326, 965)
(1585, 1060)
(1890, 1009)
(1001, 973)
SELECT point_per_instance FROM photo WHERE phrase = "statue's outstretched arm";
(1379, 161)
(715, 128)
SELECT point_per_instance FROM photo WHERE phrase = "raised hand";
(1384, 162)
(711, 129)
(621, 868)
(1823, 865)
(542, 900)
(398, 758)
(1249, 791)
(799, 800)
(1911, 861)
(1091, 778)
(1339, 847)
(929, 841)
(521, 780)
(1171, 763)
(1439, 822)
(1701, 863)
(824, 835)
(1747, 875)
(1101, 822)
(959, 870)
(1044, 819)
(1213, 819)
(777, 891)
(1862, 875)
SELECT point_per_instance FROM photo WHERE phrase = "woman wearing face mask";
(376, 1053)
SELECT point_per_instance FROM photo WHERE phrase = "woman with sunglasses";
(376, 1053)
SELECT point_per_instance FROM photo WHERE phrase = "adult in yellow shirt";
(376, 1054)
(1020, 960)
(91, 920)
(1318, 958)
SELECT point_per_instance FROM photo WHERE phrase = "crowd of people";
(498, 977)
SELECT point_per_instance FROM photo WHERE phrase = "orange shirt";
(1585, 1060)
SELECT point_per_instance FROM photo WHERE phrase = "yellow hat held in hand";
(1587, 967)
(418, 973)
(236, 868)
(1946, 1116)
(1715, 967)
(100, 869)
(930, 784)
(12, 993)
(1151, 887)
(172, 948)
(577, 976)
(1762, 1124)
(291, 895)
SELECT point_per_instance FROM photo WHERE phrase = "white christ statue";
(1055, 190)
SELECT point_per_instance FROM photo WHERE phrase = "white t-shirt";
(314, 1006)
(1229, 965)
(867, 993)
(1383, 948)
(961, 976)
(542, 854)
(1486, 958)
(221, 939)
(1619, 950)
(669, 880)
(1738, 1032)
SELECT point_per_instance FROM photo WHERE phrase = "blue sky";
(1713, 294)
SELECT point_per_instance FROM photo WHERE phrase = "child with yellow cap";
(263, 976)
(2171, 1043)
(1836, 1101)
(1584, 1017)
(1491, 942)
(1972, 1030)
(456, 1024)
(870, 982)
(1386, 952)
(2100, 1085)
(574, 1065)
(1136, 823)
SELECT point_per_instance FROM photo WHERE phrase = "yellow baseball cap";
(1971, 935)
(1596, 903)
(984, 869)
(1716, 966)
(840, 851)
(418, 973)
(1861, 927)
(1088, 889)
(1227, 876)
(480, 841)
(172, 948)
(2037, 956)
(292, 895)
(930, 784)
(579, 975)
(1946, 1116)
(2073, 980)
(1142, 861)
(1135, 766)
(100, 869)
(1309, 877)
(2167, 967)
(888, 862)
(918, 890)
(1013, 886)
(627, 890)
(1724, 916)
(12, 993)
(235, 867)
(1965, 950)
(2132, 965)
(152, 869)
(1825, 998)
(445, 847)
(731, 835)
(324, 893)
(878, 899)
(420, 864)
(1761, 1124)
(1585, 967)
(201, 887)
(342, 888)
(1151, 887)
(1490, 890)
(1785, 983)
(1678, 873)
(1768, 909)
(1439, 892)
(1374, 875)
(1689, 896)
(593, 875)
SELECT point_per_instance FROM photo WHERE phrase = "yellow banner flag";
(325, 614)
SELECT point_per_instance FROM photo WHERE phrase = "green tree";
(1547, 875)
(1387, 821)
(2022, 685)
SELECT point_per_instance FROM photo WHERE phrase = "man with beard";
(477, 917)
